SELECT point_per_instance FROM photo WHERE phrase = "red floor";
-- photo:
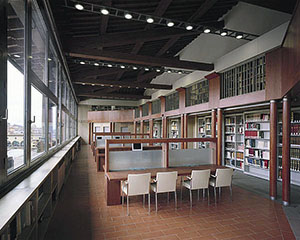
(82, 213)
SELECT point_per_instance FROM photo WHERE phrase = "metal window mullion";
(60, 104)
(46, 75)
(27, 70)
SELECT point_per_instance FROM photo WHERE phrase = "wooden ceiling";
(93, 37)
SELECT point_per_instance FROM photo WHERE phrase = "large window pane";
(63, 127)
(38, 46)
(38, 113)
(63, 88)
(52, 116)
(52, 65)
(15, 84)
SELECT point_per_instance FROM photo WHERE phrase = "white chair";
(199, 180)
(136, 184)
(223, 178)
(165, 182)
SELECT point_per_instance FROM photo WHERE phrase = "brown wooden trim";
(213, 123)
(164, 127)
(219, 138)
(89, 133)
(142, 127)
(185, 130)
(151, 129)
(162, 105)
(111, 127)
(106, 156)
(286, 129)
(273, 150)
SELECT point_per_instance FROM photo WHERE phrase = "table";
(113, 179)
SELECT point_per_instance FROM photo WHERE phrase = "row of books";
(258, 162)
(252, 125)
(295, 164)
(254, 134)
(230, 138)
(230, 154)
(250, 152)
(295, 129)
(239, 155)
(240, 130)
(257, 117)
(230, 120)
(257, 144)
(294, 152)
(230, 129)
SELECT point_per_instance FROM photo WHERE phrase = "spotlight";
(120, 86)
(169, 71)
(179, 72)
(158, 70)
(122, 66)
(128, 16)
(83, 84)
(150, 20)
(49, 59)
(189, 27)
(239, 36)
(79, 7)
(109, 65)
(96, 64)
(111, 85)
(147, 69)
(17, 56)
(223, 34)
(134, 68)
(104, 11)
(170, 24)
(93, 84)
(207, 30)
(82, 63)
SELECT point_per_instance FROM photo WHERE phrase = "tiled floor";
(82, 214)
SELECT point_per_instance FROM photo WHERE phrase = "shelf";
(231, 133)
(264, 149)
(292, 135)
(255, 129)
(257, 166)
(229, 141)
(258, 158)
(230, 149)
(240, 151)
(241, 160)
(298, 159)
(261, 121)
(292, 145)
(263, 139)
(229, 124)
(43, 203)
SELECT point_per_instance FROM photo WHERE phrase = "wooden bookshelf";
(174, 132)
(204, 130)
(257, 144)
(234, 141)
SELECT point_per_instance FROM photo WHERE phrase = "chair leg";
(122, 198)
(230, 187)
(208, 195)
(149, 202)
(175, 194)
(203, 193)
(143, 200)
(127, 205)
(219, 192)
(198, 195)
(181, 190)
(191, 198)
(168, 197)
(156, 201)
(215, 193)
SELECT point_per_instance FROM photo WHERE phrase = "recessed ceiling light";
(179, 72)
(128, 16)
(150, 20)
(93, 84)
(82, 63)
(17, 56)
(96, 64)
(104, 11)
(122, 66)
(169, 71)
(49, 59)
(79, 7)
(223, 34)
(83, 84)
(134, 68)
(128, 87)
(120, 86)
(170, 24)
(239, 36)
(189, 27)
(137, 87)
(147, 69)
(158, 70)
(111, 85)
(207, 30)
(102, 85)
(109, 65)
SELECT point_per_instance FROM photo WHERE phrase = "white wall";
(83, 126)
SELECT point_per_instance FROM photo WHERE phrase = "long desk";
(113, 179)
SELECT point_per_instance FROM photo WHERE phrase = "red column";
(164, 127)
(219, 138)
(90, 129)
(185, 132)
(134, 128)
(142, 128)
(213, 123)
(182, 129)
(273, 149)
(286, 118)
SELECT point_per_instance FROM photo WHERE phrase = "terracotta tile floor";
(82, 213)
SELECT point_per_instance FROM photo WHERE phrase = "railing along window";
(197, 93)
(244, 78)
(172, 101)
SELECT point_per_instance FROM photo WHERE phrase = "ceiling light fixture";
(83, 84)
(93, 84)
(170, 24)
(147, 69)
(189, 27)
(128, 16)
(79, 7)
(206, 30)
(223, 34)
(150, 20)
(17, 56)
(134, 68)
(102, 85)
(179, 72)
(96, 64)
(104, 11)
(109, 65)
(158, 70)
(239, 36)
(111, 85)
(169, 71)
(82, 63)
(122, 66)
(49, 59)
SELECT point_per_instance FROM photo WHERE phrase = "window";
(52, 124)
(53, 70)
(156, 106)
(63, 127)
(63, 88)
(38, 45)
(244, 78)
(15, 85)
(197, 93)
(38, 118)
(172, 101)
(145, 109)
(137, 112)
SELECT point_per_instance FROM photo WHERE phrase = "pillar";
(142, 128)
(213, 123)
(164, 127)
(182, 135)
(151, 130)
(273, 150)
(90, 129)
(286, 122)
(219, 137)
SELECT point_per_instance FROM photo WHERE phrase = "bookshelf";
(257, 144)
(234, 141)
(174, 132)
(204, 130)
(294, 147)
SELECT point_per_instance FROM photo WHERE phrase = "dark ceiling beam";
(142, 60)
(147, 76)
(114, 96)
(128, 83)
(85, 74)
(104, 19)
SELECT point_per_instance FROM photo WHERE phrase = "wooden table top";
(182, 171)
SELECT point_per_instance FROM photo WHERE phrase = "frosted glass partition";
(190, 157)
(131, 160)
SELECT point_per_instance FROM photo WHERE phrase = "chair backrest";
(200, 179)
(138, 184)
(224, 177)
(166, 181)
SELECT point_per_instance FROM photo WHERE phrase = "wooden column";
(142, 128)
(92, 132)
(182, 129)
(164, 127)
(90, 128)
(111, 127)
(219, 140)
(150, 130)
(185, 130)
(286, 118)
(273, 149)
(135, 128)
(213, 123)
